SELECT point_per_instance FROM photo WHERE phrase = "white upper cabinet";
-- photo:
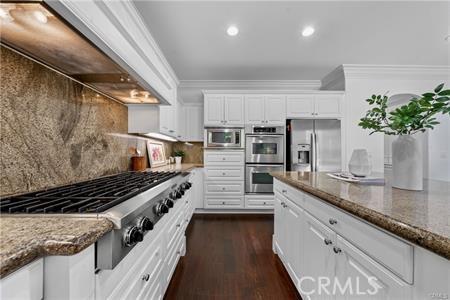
(261, 109)
(327, 106)
(224, 110)
(314, 106)
(193, 123)
(275, 110)
(299, 106)
(254, 109)
(234, 110)
(214, 110)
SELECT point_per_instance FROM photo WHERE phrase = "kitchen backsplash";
(55, 131)
(194, 152)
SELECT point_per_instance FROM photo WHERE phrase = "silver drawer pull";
(264, 202)
(223, 173)
(327, 241)
(223, 158)
(178, 225)
(284, 191)
(337, 250)
(332, 221)
(146, 277)
(223, 202)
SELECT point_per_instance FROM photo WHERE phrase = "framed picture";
(156, 154)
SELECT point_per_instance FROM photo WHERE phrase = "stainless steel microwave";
(224, 138)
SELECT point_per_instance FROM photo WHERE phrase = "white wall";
(361, 81)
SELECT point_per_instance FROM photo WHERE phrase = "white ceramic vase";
(407, 166)
(178, 160)
(359, 164)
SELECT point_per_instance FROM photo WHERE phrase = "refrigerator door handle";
(312, 161)
(315, 153)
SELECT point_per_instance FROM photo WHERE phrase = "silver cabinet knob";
(223, 202)
(337, 250)
(332, 221)
(146, 277)
(264, 202)
(327, 241)
(223, 173)
(284, 191)
(178, 225)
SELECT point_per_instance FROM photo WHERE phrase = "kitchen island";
(347, 231)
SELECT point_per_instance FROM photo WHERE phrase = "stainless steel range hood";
(34, 30)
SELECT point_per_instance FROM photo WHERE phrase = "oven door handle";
(277, 136)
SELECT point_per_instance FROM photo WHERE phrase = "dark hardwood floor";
(230, 257)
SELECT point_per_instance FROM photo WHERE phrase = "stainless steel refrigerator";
(313, 145)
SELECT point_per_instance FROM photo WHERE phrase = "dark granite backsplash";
(54, 131)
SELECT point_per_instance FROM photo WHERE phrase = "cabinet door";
(295, 233)
(280, 227)
(369, 279)
(298, 106)
(254, 109)
(198, 186)
(318, 255)
(193, 123)
(234, 110)
(165, 118)
(25, 283)
(214, 110)
(328, 106)
(275, 110)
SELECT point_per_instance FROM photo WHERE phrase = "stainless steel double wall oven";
(264, 152)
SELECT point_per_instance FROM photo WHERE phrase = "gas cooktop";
(92, 196)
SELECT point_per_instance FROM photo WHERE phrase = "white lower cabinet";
(224, 179)
(25, 283)
(324, 262)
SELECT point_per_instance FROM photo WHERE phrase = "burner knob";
(145, 224)
(168, 202)
(161, 209)
(173, 195)
(186, 185)
(181, 190)
(179, 194)
(132, 236)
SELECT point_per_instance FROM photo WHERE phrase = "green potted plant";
(179, 154)
(418, 115)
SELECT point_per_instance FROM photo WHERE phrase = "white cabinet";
(144, 118)
(27, 283)
(214, 113)
(319, 105)
(224, 179)
(193, 123)
(260, 109)
(197, 180)
(318, 257)
(371, 278)
(224, 110)
(167, 118)
(300, 106)
(310, 249)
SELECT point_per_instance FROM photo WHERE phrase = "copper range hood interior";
(35, 31)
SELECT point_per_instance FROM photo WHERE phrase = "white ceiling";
(192, 36)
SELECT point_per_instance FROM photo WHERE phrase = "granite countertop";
(24, 239)
(422, 218)
(174, 167)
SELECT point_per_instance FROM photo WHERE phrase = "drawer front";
(173, 258)
(259, 202)
(224, 202)
(223, 158)
(230, 188)
(289, 192)
(133, 283)
(391, 252)
(173, 228)
(224, 173)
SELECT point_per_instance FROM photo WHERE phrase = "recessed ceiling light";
(232, 31)
(308, 31)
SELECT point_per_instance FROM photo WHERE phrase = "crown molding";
(271, 92)
(352, 71)
(251, 84)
